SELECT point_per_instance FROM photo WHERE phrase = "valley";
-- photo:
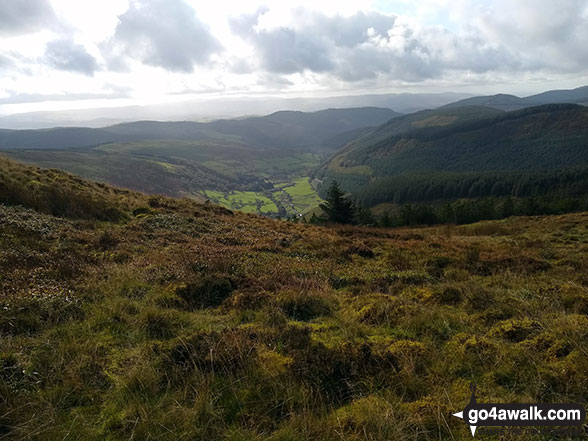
(242, 163)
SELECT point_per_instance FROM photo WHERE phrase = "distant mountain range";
(512, 102)
(285, 129)
(222, 108)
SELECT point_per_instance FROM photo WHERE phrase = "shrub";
(449, 296)
(371, 414)
(338, 282)
(209, 292)
(158, 325)
(285, 338)
(362, 250)
(408, 355)
(515, 330)
(304, 306)
(249, 300)
(106, 240)
(409, 277)
(142, 211)
(386, 311)
(479, 299)
(26, 316)
(227, 352)
(327, 371)
(436, 266)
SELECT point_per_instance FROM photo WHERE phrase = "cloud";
(543, 34)
(162, 33)
(353, 48)
(5, 62)
(522, 37)
(66, 55)
(19, 17)
(19, 98)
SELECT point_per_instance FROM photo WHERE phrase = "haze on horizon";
(72, 54)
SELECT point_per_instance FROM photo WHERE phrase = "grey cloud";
(243, 24)
(369, 63)
(284, 50)
(370, 46)
(341, 46)
(12, 63)
(543, 34)
(351, 31)
(5, 62)
(163, 33)
(65, 55)
(273, 81)
(287, 51)
(24, 16)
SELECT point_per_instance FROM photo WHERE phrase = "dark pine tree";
(337, 207)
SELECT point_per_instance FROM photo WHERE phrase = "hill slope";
(182, 320)
(537, 138)
(512, 102)
(278, 130)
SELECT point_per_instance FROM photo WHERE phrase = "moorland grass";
(186, 321)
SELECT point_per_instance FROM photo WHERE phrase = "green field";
(302, 195)
(297, 196)
(290, 198)
(246, 201)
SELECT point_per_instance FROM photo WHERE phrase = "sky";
(68, 54)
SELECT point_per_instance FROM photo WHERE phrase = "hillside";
(177, 320)
(462, 140)
(279, 130)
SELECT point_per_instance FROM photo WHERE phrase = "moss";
(515, 330)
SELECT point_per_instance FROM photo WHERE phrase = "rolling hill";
(464, 140)
(512, 102)
(285, 129)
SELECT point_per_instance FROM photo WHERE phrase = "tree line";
(339, 208)
(451, 186)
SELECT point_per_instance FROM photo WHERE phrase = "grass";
(303, 196)
(297, 196)
(187, 321)
(246, 201)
